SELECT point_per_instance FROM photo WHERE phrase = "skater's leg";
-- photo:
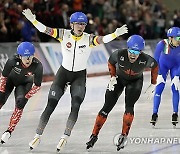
(132, 94)
(16, 116)
(175, 98)
(158, 92)
(161, 80)
(111, 98)
(55, 94)
(77, 90)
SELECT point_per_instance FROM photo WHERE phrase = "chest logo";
(29, 74)
(142, 62)
(121, 58)
(82, 46)
(68, 45)
(130, 72)
(17, 70)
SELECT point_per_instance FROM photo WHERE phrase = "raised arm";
(109, 37)
(32, 18)
(53, 32)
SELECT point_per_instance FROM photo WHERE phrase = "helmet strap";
(171, 44)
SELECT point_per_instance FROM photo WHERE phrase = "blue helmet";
(78, 17)
(136, 42)
(25, 49)
(173, 32)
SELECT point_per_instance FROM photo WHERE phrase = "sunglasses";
(81, 23)
(177, 38)
(135, 52)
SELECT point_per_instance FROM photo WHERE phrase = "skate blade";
(174, 127)
(89, 148)
(2, 142)
(33, 144)
(153, 126)
(119, 148)
(61, 147)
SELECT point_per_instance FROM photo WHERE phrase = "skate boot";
(154, 119)
(92, 141)
(174, 119)
(62, 143)
(5, 137)
(122, 142)
(35, 142)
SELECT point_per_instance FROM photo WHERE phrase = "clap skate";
(35, 142)
(62, 143)
(174, 119)
(122, 142)
(5, 137)
(91, 142)
(154, 119)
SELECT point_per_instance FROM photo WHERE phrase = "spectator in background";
(151, 26)
(28, 31)
(176, 18)
(3, 28)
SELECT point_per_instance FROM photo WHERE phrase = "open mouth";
(80, 31)
(132, 58)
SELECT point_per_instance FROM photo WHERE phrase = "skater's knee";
(21, 102)
(77, 99)
(173, 89)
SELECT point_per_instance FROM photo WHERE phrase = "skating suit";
(75, 51)
(20, 77)
(168, 58)
(130, 77)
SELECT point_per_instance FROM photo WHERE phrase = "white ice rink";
(143, 139)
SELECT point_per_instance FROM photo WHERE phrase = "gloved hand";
(176, 82)
(112, 82)
(150, 91)
(32, 91)
(28, 14)
(122, 30)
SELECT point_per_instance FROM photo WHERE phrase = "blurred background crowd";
(150, 20)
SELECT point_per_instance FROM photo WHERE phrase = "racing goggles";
(28, 57)
(177, 38)
(81, 23)
(135, 52)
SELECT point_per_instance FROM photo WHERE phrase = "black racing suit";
(15, 74)
(21, 78)
(130, 77)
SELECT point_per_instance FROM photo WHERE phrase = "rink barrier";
(50, 55)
